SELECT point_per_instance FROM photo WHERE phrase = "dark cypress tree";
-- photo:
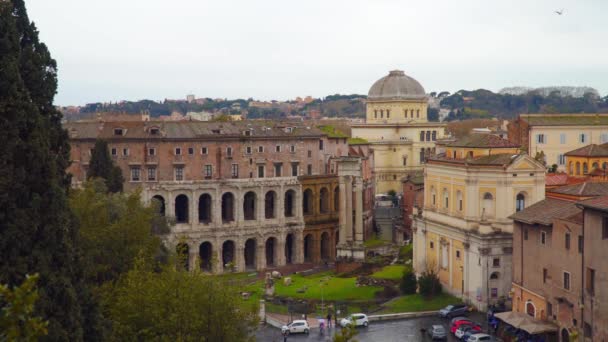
(102, 166)
(37, 234)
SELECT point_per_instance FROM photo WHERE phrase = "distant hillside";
(484, 104)
(546, 91)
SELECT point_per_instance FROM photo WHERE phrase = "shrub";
(429, 284)
(408, 282)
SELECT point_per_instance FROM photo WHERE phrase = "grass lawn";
(375, 242)
(391, 272)
(413, 303)
(332, 288)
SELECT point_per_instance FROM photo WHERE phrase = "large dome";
(396, 86)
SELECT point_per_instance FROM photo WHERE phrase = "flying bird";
(560, 12)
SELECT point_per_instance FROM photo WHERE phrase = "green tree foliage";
(429, 284)
(115, 229)
(102, 166)
(346, 334)
(36, 232)
(17, 320)
(408, 282)
(173, 305)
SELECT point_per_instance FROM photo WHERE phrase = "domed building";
(398, 129)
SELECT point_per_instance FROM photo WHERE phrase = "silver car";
(437, 332)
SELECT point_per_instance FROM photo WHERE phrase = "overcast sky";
(114, 50)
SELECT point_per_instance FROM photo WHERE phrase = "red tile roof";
(482, 140)
(592, 150)
(599, 203)
(553, 179)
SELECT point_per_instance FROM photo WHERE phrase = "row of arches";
(324, 201)
(249, 206)
(575, 168)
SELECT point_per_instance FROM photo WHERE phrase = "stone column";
(192, 257)
(316, 247)
(349, 210)
(343, 208)
(238, 207)
(298, 245)
(216, 215)
(193, 210)
(260, 255)
(239, 257)
(280, 251)
(170, 205)
(359, 210)
(260, 205)
(280, 205)
(218, 263)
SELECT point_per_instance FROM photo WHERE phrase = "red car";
(457, 324)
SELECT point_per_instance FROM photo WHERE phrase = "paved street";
(391, 331)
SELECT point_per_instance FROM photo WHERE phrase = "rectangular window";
(208, 171)
(309, 154)
(432, 245)
(154, 131)
(562, 138)
(545, 274)
(457, 254)
(204, 150)
(549, 309)
(235, 170)
(178, 151)
(151, 151)
(277, 148)
(179, 173)
(540, 139)
(190, 150)
(277, 169)
(561, 159)
(260, 149)
(321, 145)
(496, 262)
(260, 171)
(583, 138)
(587, 330)
(248, 149)
(309, 169)
(114, 151)
(566, 281)
(294, 169)
(229, 151)
(135, 174)
(292, 148)
(125, 152)
(590, 280)
(151, 174)
(118, 131)
(567, 241)
(543, 238)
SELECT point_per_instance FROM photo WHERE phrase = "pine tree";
(37, 234)
(102, 166)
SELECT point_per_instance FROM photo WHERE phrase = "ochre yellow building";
(398, 129)
(464, 232)
(590, 160)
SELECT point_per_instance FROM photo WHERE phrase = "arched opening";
(520, 202)
(337, 199)
(250, 254)
(205, 252)
(181, 209)
(159, 203)
(565, 335)
(325, 243)
(308, 248)
(459, 200)
(183, 255)
(269, 204)
(307, 202)
(578, 168)
(249, 206)
(585, 169)
(530, 309)
(595, 166)
(324, 200)
(204, 208)
(228, 254)
(290, 198)
(494, 276)
(289, 250)
(488, 205)
(270, 245)
(571, 168)
(227, 207)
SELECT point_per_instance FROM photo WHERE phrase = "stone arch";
(289, 249)
(205, 208)
(530, 308)
(270, 200)
(307, 202)
(494, 276)
(183, 255)
(227, 207)
(290, 199)
(205, 252)
(595, 165)
(228, 249)
(308, 246)
(487, 203)
(324, 200)
(520, 201)
(565, 335)
(271, 244)
(158, 202)
(337, 198)
(181, 209)
(250, 253)
(249, 206)
(325, 246)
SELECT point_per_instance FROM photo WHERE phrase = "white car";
(297, 326)
(481, 337)
(359, 319)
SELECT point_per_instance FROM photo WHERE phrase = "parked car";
(460, 323)
(359, 319)
(464, 328)
(454, 310)
(481, 337)
(459, 318)
(437, 332)
(297, 326)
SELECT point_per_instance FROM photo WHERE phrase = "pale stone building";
(464, 232)
(398, 129)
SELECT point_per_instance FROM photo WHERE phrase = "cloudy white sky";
(278, 49)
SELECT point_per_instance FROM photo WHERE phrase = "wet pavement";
(388, 331)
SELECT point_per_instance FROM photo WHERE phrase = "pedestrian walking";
(328, 320)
